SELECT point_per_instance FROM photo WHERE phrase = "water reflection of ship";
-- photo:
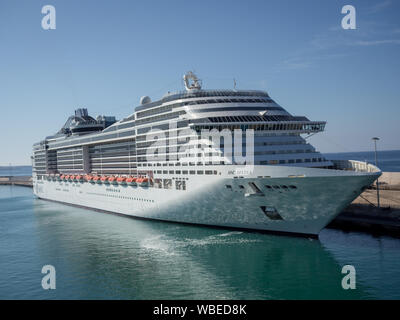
(127, 258)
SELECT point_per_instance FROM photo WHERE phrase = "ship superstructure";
(157, 163)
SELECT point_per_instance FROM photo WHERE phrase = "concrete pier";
(25, 181)
(363, 214)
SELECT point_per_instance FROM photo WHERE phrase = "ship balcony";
(354, 165)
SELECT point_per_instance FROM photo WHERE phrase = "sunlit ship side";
(291, 188)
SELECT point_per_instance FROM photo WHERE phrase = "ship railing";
(355, 165)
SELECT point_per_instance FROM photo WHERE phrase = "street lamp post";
(375, 139)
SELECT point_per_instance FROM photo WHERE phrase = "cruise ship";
(226, 158)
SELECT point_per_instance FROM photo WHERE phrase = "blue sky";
(104, 55)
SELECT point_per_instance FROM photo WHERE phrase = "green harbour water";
(104, 256)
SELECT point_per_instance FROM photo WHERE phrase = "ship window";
(275, 187)
(177, 171)
(171, 172)
(184, 172)
(228, 186)
(192, 172)
(268, 187)
(200, 172)
(209, 172)
(284, 187)
(241, 187)
(292, 187)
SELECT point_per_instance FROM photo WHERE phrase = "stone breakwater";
(25, 181)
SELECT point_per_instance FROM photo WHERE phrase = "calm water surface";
(104, 256)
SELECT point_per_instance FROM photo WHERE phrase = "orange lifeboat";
(66, 177)
(96, 179)
(62, 177)
(131, 180)
(142, 181)
(88, 177)
(78, 178)
(121, 180)
(112, 179)
(103, 179)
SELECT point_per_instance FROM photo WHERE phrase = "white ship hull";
(315, 198)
